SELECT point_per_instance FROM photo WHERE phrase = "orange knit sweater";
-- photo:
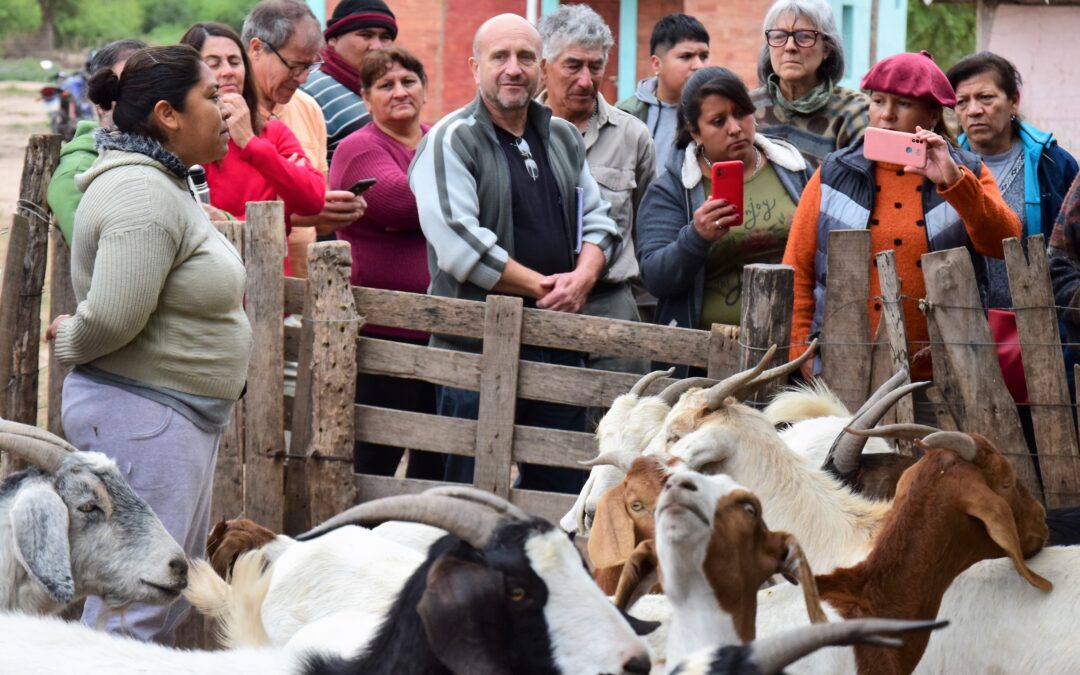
(896, 222)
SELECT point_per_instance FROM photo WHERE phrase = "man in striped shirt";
(355, 28)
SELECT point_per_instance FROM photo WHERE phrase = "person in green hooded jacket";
(79, 153)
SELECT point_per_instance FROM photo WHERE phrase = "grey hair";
(574, 26)
(275, 21)
(821, 16)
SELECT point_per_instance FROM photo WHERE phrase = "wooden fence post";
(892, 325)
(264, 412)
(723, 359)
(228, 501)
(61, 301)
(498, 394)
(767, 301)
(1048, 390)
(969, 353)
(846, 350)
(323, 416)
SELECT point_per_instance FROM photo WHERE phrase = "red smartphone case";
(893, 147)
(727, 183)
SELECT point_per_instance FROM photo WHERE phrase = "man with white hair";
(576, 42)
(508, 206)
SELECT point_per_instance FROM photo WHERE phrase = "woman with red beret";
(953, 201)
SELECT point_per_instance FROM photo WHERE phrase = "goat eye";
(750, 508)
(517, 594)
(88, 508)
(637, 506)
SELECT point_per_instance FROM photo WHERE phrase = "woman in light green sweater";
(160, 340)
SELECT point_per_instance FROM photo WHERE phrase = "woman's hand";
(214, 213)
(940, 167)
(713, 218)
(50, 332)
(239, 118)
(341, 208)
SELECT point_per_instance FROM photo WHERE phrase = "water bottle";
(197, 181)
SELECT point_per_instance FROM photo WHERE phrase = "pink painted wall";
(1042, 42)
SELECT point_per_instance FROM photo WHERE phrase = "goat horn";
(28, 430)
(898, 378)
(720, 392)
(776, 652)
(844, 454)
(492, 501)
(779, 371)
(468, 520)
(906, 432)
(620, 458)
(41, 453)
(674, 392)
(957, 441)
(639, 388)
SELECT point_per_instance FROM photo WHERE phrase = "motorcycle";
(66, 102)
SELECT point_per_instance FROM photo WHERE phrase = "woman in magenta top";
(265, 161)
(388, 248)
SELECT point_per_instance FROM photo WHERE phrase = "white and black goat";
(71, 526)
(504, 593)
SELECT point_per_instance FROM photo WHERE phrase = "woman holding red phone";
(707, 217)
(952, 201)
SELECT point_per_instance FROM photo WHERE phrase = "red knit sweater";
(388, 246)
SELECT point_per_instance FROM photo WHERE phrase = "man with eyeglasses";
(618, 147)
(283, 41)
(508, 206)
(799, 100)
(355, 28)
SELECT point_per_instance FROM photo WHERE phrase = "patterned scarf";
(340, 69)
(812, 102)
(114, 139)
(1066, 234)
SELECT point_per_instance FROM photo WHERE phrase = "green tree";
(945, 30)
(52, 12)
(19, 16)
(95, 23)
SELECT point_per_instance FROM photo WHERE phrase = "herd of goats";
(721, 539)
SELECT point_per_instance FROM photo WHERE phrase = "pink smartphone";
(893, 147)
(727, 183)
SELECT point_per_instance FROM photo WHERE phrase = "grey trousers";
(168, 461)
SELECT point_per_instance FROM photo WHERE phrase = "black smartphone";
(361, 186)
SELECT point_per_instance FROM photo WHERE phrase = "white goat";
(71, 526)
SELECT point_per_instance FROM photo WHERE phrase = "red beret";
(911, 75)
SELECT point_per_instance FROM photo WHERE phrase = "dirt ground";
(21, 115)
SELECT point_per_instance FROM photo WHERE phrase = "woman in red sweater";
(388, 248)
(954, 201)
(265, 161)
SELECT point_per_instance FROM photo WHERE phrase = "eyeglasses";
(295, 71)
(526, 154)
(778, 37)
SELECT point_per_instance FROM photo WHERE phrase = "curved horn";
(674, 392)
(618, 458)
(906, 432)
(473, 522)
(776, 652)
(492, 501)
(898, 378)
(957, 441)
(641, 385)
(720, 392)
(28, 430)
(43, 454)
(779, 371)
(844, 454)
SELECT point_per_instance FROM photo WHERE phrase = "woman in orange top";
(953, 201)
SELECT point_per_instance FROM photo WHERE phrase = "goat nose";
(638, 665)
(686, 484)
(179, 567)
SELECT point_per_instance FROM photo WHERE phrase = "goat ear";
(640, 573)
(997, 516)
(796, 569)
(611, 540)
(39, 523)
(463, 617)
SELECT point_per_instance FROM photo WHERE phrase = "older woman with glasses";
(799, 67)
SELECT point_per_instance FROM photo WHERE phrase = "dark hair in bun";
(150, 75)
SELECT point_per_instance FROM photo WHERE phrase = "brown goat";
(949, 513)
(230, 538)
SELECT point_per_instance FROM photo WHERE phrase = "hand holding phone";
(361, 186)
(727, 183)
(894, 147)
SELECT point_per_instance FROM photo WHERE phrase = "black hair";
(196, 37)
(711, 81)
(1003, 70)
(675, 28)
(150, 75)
(113, 53)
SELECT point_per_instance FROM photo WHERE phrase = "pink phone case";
(893, 147)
